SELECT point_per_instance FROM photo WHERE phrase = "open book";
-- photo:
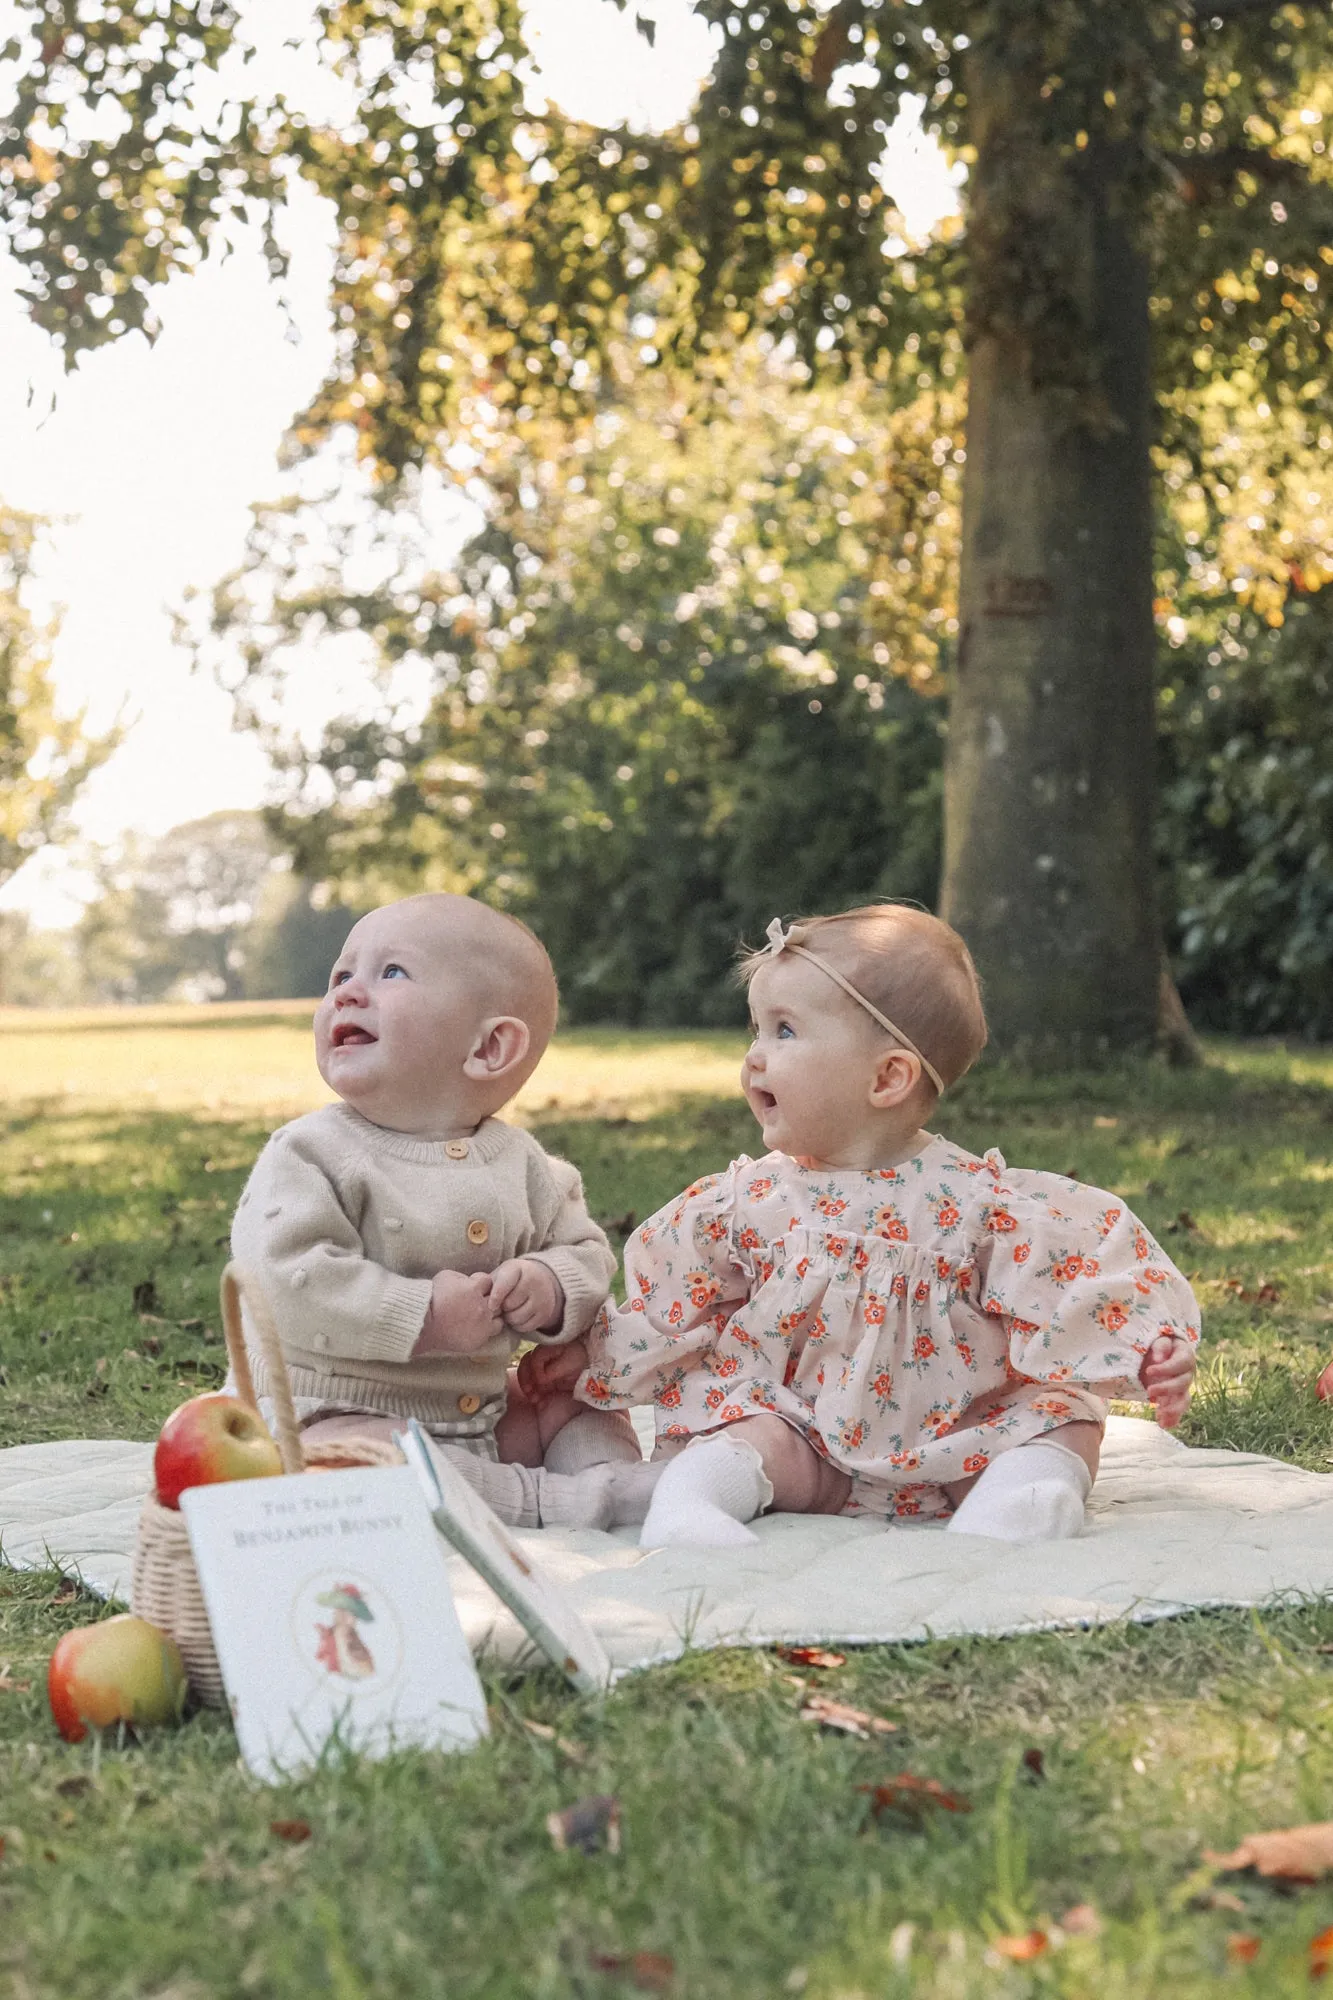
(329, 1601)
(539, 1605)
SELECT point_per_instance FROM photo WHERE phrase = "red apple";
(1323, 1388)
(208, 1439)
(119, 1670)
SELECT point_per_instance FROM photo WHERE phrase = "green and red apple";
(119, 1670)
(209, 1439)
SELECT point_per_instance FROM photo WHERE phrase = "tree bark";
(1049, 784)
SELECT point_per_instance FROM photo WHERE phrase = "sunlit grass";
(149, 1872)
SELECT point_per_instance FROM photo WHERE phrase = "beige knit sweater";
(344, 1224)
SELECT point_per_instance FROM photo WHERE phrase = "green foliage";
(45, 757)
(689, 684)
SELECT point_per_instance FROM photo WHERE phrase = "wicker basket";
(164, 1586)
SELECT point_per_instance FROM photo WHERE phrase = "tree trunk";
(1049, 787)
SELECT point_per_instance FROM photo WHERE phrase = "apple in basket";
(118, 1670)
(208, 1439)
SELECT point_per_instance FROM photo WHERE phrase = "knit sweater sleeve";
(575, 1250)
(294, 1238)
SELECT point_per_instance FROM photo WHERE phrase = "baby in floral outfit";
(870, 1319)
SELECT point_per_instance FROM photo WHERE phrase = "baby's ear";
(896, 1077)
(501, 1045)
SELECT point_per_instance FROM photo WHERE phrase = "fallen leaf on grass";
(8, 1684)
(1243, 1947)
(650, 1971)
(1184, 1225)
(1321, 1954)
(1221, 1899)
(74, 1788)
(910, 1794)
(829, 1714)
(290, 1829)
(586, 1826)
(811, 1656)
(1267, 1294)
(1292, 1853)
(1034, 1761)
(67, 1591)
(1081, 1921)
(545, 1734)
(1032, 1944)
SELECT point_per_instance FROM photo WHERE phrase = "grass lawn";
(150, 1871)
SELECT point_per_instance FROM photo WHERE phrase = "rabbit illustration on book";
(339, 1647)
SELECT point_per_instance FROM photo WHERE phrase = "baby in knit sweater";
(407, 1240)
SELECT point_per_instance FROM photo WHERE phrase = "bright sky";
(148, 458)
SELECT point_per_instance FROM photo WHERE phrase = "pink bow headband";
(779, 941)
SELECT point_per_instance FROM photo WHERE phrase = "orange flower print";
(676, 1431)
(1052, 1406)
(923, 1347)
(976, 1461)
(1153, 1276)
(675, 1313)
(906, 1461)
(636, 1305)
(1142, 1248)
(732, 1412)
(818, 1328)
(790, 1324)
(938, 1420)
(716, 1228)
(757, 1189)
(763, 1270)
(852, 1436)
(837, 1246)
(596, 1389)
(922, 1292)
(1061, 1374)
(966, 1355)
(1112, 1316)
(802, 1267)
(668, 1398)
(760, 1396)
(882, 1387)
(943, 1269)
(1025, 1325)
(715, 1399)
(947, 1213)
(905, 1505)
(749, 1239)
(831, 1205)
(998, 1221)
(888, 1222)
(701, 1288)
(875, 1309)
(860, 1260)
(727, 1364)
(644, 1282)
(1021, 1252)
(899, 1285)
(1107, 1220)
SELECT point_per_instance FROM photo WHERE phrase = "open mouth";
(764, 1099)
(347, 1034)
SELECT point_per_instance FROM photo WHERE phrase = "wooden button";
(478, 1232)
(456, 1149)
(469, 1405)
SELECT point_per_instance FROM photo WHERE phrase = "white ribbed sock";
(1034, 1493)
(525, 1496)
(593, 1437)
(706, 1495)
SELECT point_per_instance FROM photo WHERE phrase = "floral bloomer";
(910, 1322)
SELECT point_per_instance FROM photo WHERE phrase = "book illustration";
(339, 1647)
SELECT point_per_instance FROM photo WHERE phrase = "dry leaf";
(1293, 1853)
(1081, 1921)
(8, 1685)
(1321, 1954)
(829, 1714)
(586, 1826)
(650, 1971)
(290, 1829)
(546, 1734)
(910, 1794)
(1221, 1899)
(1106, 1124)
(74, 1788)
(1032, 1944)
(811, 1656)
(1034, 1760)
(1243, 1947)
(67, 1591)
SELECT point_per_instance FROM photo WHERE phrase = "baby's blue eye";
(394, 972)
(785, 1031)
(337, 978)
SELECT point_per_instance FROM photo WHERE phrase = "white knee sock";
(1034, 1493)
(706, 1495)
(593, 1437)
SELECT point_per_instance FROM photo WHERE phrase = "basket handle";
(234, 1285)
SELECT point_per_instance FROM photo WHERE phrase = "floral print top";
(910, 1321)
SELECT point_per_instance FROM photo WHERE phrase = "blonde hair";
(911, 966)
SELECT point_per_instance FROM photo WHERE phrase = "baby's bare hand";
(463, 1314)
(546, 1372)
(1167, 1375)
(528, 1296)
